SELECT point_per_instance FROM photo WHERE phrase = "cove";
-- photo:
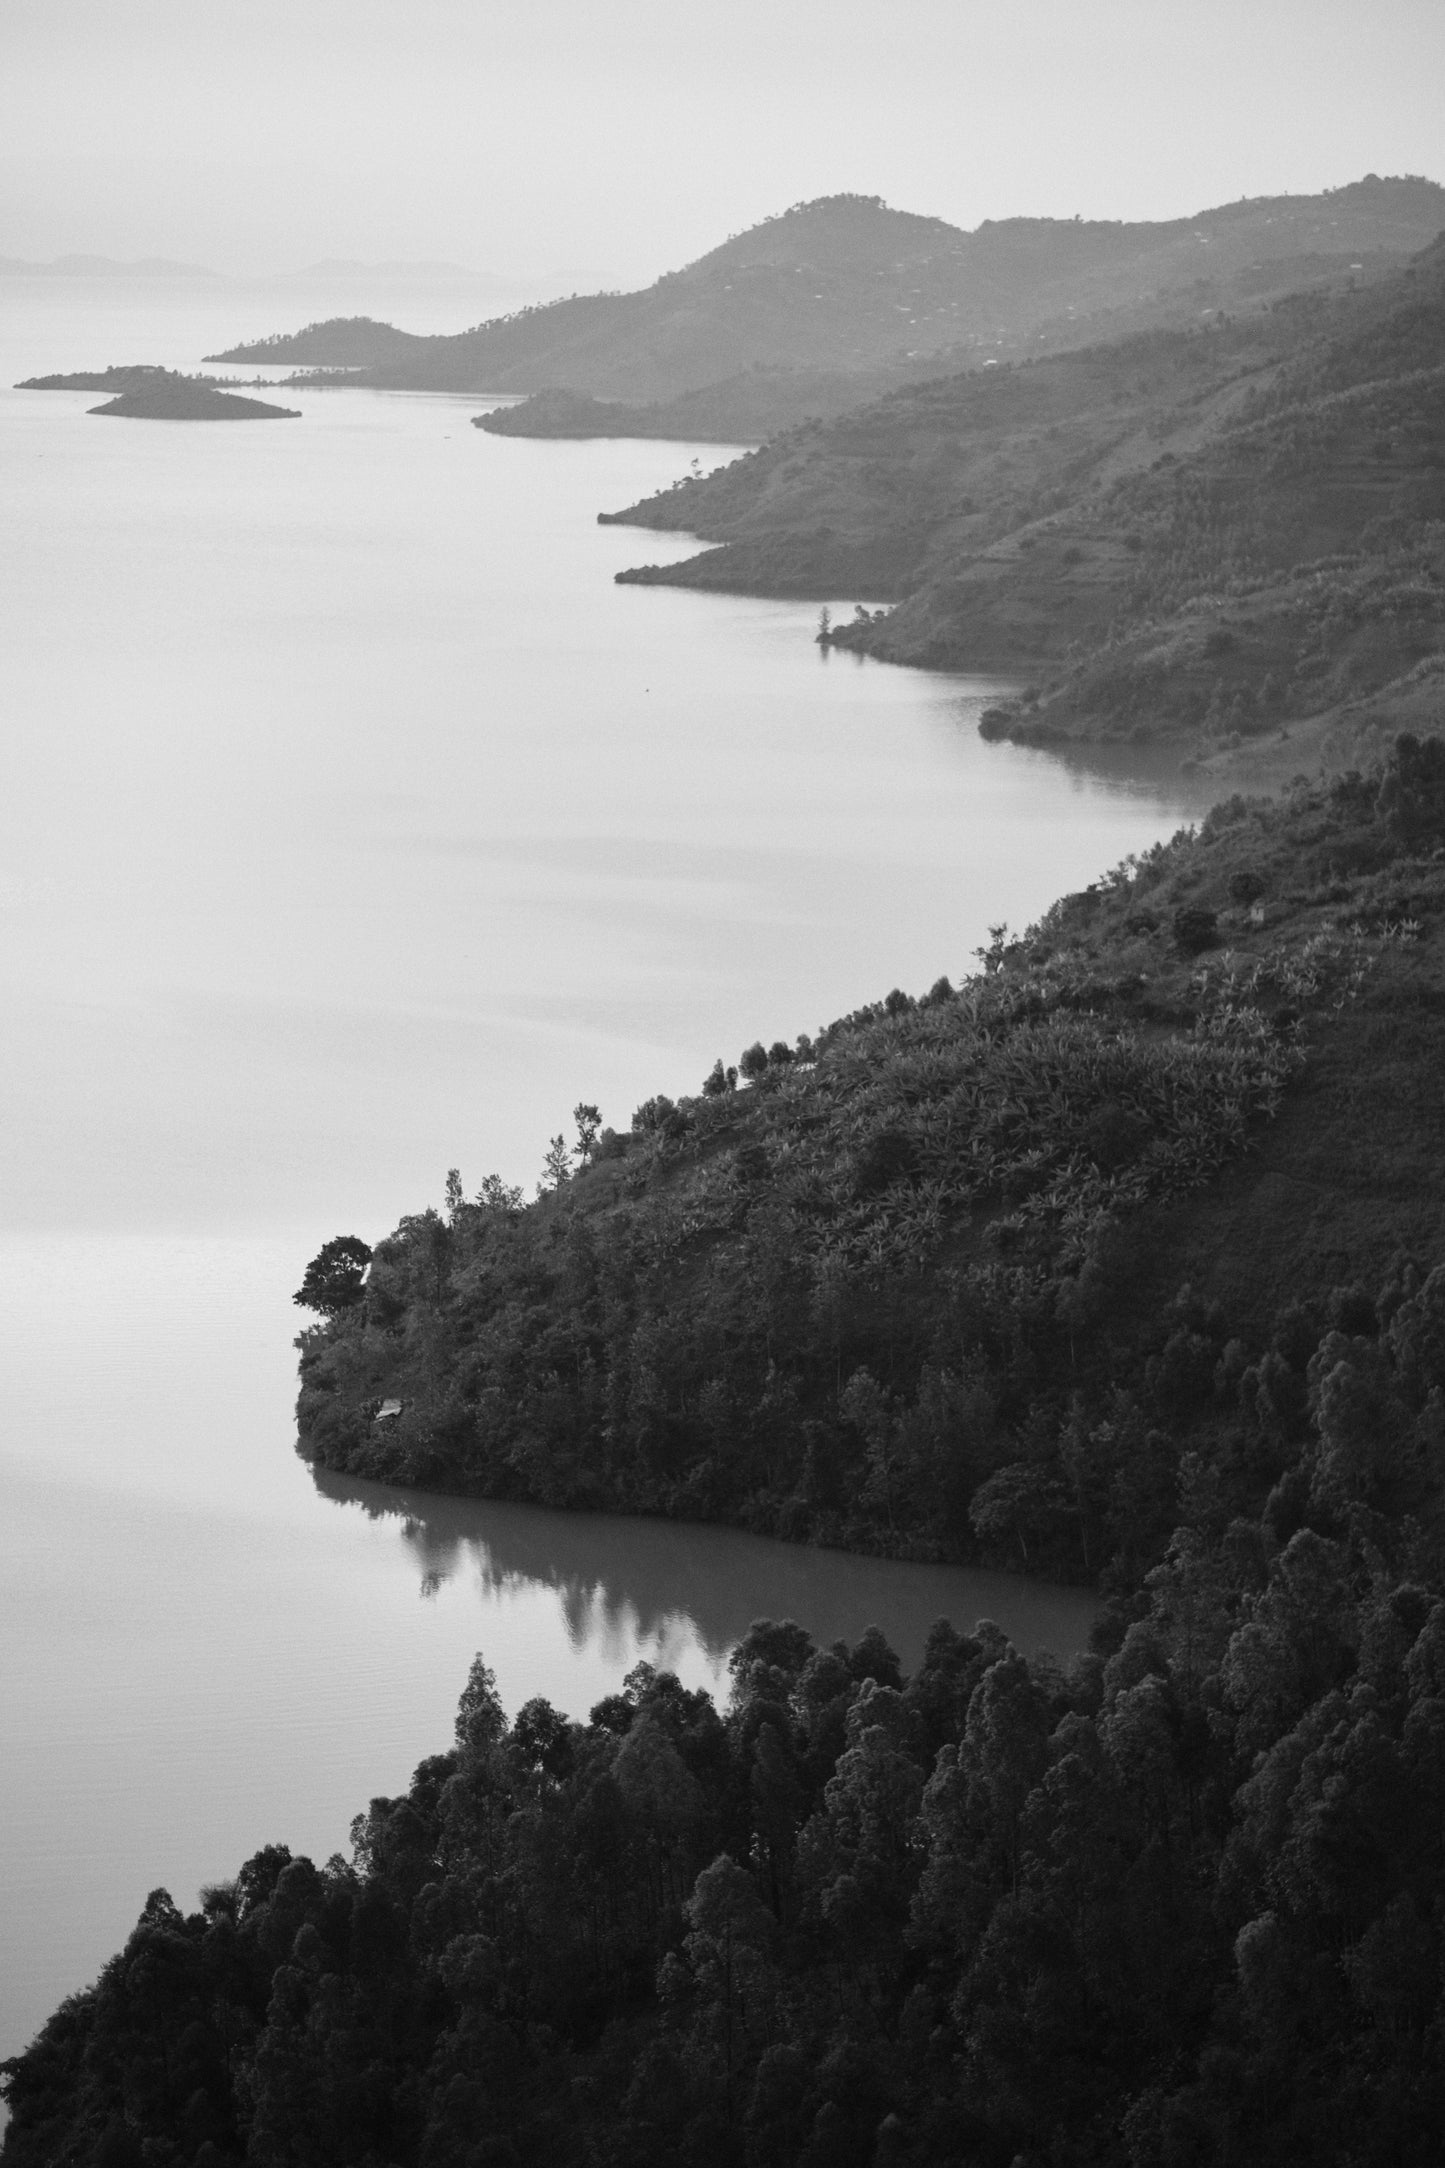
(209, 1647)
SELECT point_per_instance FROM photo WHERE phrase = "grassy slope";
(1210, 538)
(864, 1300)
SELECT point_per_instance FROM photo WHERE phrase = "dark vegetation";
(1124, 1259)
(1205, 536)
(846, 287)
(915, 1283)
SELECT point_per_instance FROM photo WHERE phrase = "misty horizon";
(521, 147)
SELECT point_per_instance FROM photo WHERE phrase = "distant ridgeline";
(1195, 537)
(847, 287)
(1126, 1258)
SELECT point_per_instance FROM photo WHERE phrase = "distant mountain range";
(850, 289)
(345, 267)
(103, 267)
(392, 272)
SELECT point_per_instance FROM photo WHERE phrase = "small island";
(145, 391)
(130, 376)
(179, 400)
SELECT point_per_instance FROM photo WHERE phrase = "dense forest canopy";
(959, 1275)
(915, 1281)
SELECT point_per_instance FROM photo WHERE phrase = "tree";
(333, 1280)
(589, 1121)
(1412, 790)
(481, 1719)
(556, 1166)
(498, 1196)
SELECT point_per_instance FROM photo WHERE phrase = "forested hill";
(1209, 537)
(1179, 1906)
(962, 1275)
(346, 342)
(848, 284)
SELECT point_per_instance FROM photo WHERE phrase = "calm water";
(353, 824)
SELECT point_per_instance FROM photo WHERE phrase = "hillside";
(848, 284)
(1124, 1259)
(338, 341)
(855, 1299)
(1204, 538)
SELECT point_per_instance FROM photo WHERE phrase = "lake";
(355, 825)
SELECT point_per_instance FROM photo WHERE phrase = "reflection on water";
(630, 1586)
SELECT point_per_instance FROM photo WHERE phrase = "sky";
(619, 138)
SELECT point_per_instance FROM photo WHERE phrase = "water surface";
(354, 825)
(207, 1648)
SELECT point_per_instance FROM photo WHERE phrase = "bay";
(354, 824)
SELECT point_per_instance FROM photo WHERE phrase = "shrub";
(1195, 928)
(660, 1117)
(1412, 790)
(888, 1157)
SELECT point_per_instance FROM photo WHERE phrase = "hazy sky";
(621, 137)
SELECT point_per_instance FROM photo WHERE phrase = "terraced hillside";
(1208, 538)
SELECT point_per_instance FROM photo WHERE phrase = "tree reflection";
(624, 1582)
